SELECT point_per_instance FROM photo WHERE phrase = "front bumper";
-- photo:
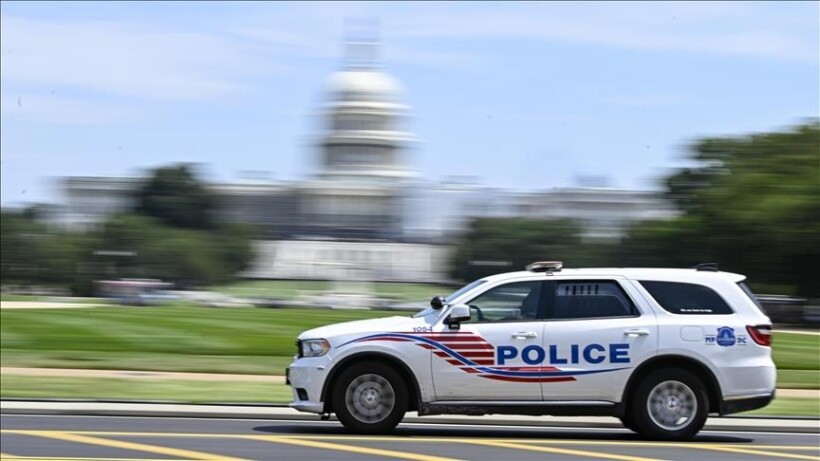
(306, 376)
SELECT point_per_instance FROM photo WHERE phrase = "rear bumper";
(745, 404)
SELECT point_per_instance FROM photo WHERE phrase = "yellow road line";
(177, 452)
(749, 451)
(347, 448)
(672, 444)
(560, 451)
(355, 438)
(63, 458)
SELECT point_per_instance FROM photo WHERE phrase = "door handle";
(635, 332)
(524, 335)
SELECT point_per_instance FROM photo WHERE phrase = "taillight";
(761, 334)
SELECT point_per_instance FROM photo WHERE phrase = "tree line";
(171, 233)
(750, 203)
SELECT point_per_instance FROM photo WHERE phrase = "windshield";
(452, 296)
(463, 290)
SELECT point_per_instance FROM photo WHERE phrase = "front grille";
(298, 349)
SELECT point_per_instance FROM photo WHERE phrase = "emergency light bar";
(545, 266)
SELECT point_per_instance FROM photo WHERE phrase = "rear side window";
(592, 299)
(687, 298)
(751, 296)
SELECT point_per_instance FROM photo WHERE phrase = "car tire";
(669, 404)
(628, 423)
(370, 398)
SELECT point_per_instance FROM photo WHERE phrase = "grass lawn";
(235, 340)
(290, 289)
(283, 289)
(793, 351)
(178, 390)
(789, 406)
(798, 379)
(32, 298)
(148, 361)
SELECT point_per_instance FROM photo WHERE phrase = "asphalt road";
(107, 437)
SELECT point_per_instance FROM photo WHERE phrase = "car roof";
(661, 274)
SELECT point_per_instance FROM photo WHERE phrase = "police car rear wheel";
(670, 404)
(628, 423)
(370, 398)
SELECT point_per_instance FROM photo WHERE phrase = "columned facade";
(358, 188)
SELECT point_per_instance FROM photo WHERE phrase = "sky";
(527, 96)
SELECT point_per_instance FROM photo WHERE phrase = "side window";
(687, 298)
(752, 296)
(512, 302)
(591, 299)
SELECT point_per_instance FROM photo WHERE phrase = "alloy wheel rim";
(672, 405)
(370, 398)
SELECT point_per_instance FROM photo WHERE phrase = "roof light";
(545, 266)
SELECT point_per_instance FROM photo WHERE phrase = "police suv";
(658, 348)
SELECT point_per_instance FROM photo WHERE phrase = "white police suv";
(658, 348)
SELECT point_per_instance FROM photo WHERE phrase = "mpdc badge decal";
(726, 337)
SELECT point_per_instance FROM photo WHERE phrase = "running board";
(515, 407)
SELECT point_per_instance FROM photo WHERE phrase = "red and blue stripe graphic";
(474, 354)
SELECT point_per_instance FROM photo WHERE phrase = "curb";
(279, 412)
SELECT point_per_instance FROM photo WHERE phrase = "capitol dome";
(363, 85)
(364, 120)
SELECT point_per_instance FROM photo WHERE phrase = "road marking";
(748, 451)
(543, 441)
(64, 458)
(347, 448)
(560, 451)
(477, 424)
(180, 453)
(411, 438)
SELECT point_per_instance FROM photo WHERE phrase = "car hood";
(342, 330)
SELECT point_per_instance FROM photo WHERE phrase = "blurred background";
(364, 156)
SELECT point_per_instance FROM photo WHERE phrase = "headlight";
(314, 347)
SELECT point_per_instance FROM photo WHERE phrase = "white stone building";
(363, 214)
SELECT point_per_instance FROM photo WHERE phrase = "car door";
(465, 364)
(596, 334)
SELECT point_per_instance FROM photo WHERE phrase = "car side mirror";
(459, 313)
(437, 302)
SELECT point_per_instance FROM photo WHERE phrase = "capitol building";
(363, 214)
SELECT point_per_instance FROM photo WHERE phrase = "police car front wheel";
(670, 404)
(370, 398)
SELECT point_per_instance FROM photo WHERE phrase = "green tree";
(30, 253)
(492, 245)
(752, 203)
(176, 234)
(139, 246)
(176, 197)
